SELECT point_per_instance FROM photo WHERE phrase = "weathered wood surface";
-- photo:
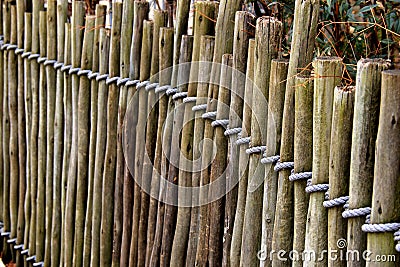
(328, 73)
(365, 128)
(277, 88)
(236, 243)
(268, 39)
(386, 188)
(339, 165)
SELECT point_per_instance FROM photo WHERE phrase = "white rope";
(162, 88)
(83, 72)
(316, 187)
(233, 131)
(72, 70)
(171, 91)
(270, 160)
(340, 201)
(25, 252)
(58, 65)
(19, 51)
(11, 47)
(380, 227)
(141, 85)
(48, 62)
(19, 247)
(41, 60)
(189, 99)
(179, 95)
(102, 77)
(220, 123)
(255, 150)
(131, 83)
(283, 166)
(300, 176)
(151, 86)
(112, 80)
(38, 264)
(200, 107)
(209, 115)
(3, 234)
(33, 56)
(31, 258)
(66, 68)
(26, 54)
(243, 141)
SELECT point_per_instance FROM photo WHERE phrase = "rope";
(255, 150)
(132, 83)
(300, 176)
(58, 65)
(233, 131)
(199, 107)
(102, 77)
(40, 263)
(72, 70)
(270, 160)
(380, 227)
(151, 86)
(66, 68)
(141, 85)
(25, 252)
(122, 81)
(316, 187)
(335, 202)
(3, 234)
(41, 60)
(243, 141)
(162, 88)
(112, 80)
(219, 123)
(179, 95)
(283, 166)
(12, 241)
(19, 247)
(19, 51)
(48, 62)
(26, 54)
(84, 72)
(209, 115)
(33, 56)
(171, 91)
(31, 258)
(189, 99)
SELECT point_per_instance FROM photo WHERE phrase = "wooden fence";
(140, 145)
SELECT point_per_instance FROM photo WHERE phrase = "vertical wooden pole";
(128, 188)
(141, 10)
(268, 39)
(28, 118)
(365, 128)
(1, 112)
(107, 213)
(22, 152)
(77, 22)
(160, 18)
(100, 14)
(339, 166)
(100, 149)
(302, 155)
(179, 245)
(57, 214)
(6, 253)
(51, 102)
(41, 182)
(385, 201)
(328, 73)
(277, 88)
(236, 243)
(244, 30)
(67, 101)
(206, 48)
(302, 52)
(84, 99)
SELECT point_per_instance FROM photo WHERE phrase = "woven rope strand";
(233, 131)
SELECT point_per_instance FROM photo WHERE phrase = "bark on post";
(41, 181)
(67, 96)
(51, 102)
(236, 243)
(1, 111)
(141, 139)
(83, 140)
(141, 10)
(159, 255)
(277, 88)
(77, 22)
(203, 78)
(87, 242)
(160, 20)
(385, 201)
(55, 248)
(302, 155)
(107, 210)
(268, 39)
(127, 196)
(242, 33)
(22, 152)
(100, 148)
(365, 128)
(339, 166)
(179, 245)
(328, 73)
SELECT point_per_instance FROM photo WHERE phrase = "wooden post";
(339, 166)
(201, 91)
(328, 73)
(145, 68)
(83, 140)
(365, 128)
(385, 201)
(50, 116)
(78, 13)
(87, 242)
(28, 118)
(179, 245)
(100, 148)
(6, 252)
(277, 88)
(141, 10)
(1, 118)
(55, 248)
(302, 157)
(236, 243)
(67, 96)
(41, 182)
(160, 20)
(268, 39)
(165, 47)
(107, 210)
(128, 187)
(22, 152)
(244, 30)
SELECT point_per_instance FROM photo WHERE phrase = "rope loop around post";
(233, 131)
(49, 62)
(112, 80)
(283, 166)
(255, 150)
(189, 99)
(339, 201)
(101, 77)
(26, 54)
(151, 86)
(66, 68)
(41, 60)
(243, 141)
(222, 123)
(178, 95)
(142, 85)
(131, 83)
(31, 258)
(299, 176)
(19, 51)
(25, 252)
(380, 227)
(209, 115)
(83, 72)
(74, 70)
(122, 81)
(270, 160)
(316, 187)
(162, 88)
(201, 107)
(58, 65)
(33, 56)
